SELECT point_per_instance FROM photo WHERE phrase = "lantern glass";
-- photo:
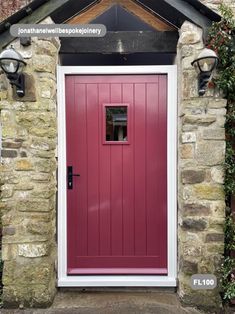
(207, 64)
(9, 66)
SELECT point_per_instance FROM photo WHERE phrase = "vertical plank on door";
(104, 176)
(116, 183)
(93, 172)
(140, 164)
(153, 180)
(69, 85)
(163, 166)
(80, 167)
(128, 177)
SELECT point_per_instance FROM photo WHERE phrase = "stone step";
(110, 302)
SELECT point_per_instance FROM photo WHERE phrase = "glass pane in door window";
(116, 124)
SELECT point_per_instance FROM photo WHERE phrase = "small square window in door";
(116, 124)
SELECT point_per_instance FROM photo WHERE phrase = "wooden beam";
(123, 42)
(149, 18)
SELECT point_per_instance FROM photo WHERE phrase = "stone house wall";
(28, 165)
(9, 7)
(201, 201)
(214, 4)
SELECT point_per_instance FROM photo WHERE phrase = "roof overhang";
(173, 11)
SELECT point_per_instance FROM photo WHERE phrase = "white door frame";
(119, 280)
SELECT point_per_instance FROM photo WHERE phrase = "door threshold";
(171, 290)
(117, 281)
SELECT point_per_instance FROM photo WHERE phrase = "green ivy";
(221, 39)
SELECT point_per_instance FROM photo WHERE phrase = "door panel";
(117, 209)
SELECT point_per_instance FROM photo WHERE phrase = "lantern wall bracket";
(17, 80)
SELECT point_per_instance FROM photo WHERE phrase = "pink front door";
(117, 143)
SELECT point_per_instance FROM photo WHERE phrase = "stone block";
(3, 95)
(196, 209)
(189, 38)
(187, 51)
(210, 153)
(192, 176)
(218, 209)
(192, 249)
(220, 122)
(36, 119)
(217, 224)
(201, 120)
(44, 191)
(24, 185)
(207, 300)
(189, 84)
(7, 116)
(215, 237)
(23, 154)
(217, 111)
(217, 103)
(33, 250)
(40, 131)
(29, 295)
(187, 151)
(214, 134)
(9, 230)
(32, 272)
(43, 144)
(23, 165)
(194, 224)
(19, 106)
(44, 63)
(9, 252)
(208, 191)
(7, 191)
(47, 88)
(187, 236)
(47, 166)
(41, 177)
(9, 131)
(186, 62)
(11, 145)
(42, 153)
(188, 267)
(43, 47)
(217, 174)
(189, 127)
(188, 137)
(35, 205)
(214, 248)
(39, 227)
(8, 153)
(206, 265)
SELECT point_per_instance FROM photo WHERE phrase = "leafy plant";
(221, 39)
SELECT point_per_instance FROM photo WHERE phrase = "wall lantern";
(12, 64)
(205, 63)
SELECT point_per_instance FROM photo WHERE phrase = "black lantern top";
(11, 61)
(206, 61)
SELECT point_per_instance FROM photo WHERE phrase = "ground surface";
(111, 303)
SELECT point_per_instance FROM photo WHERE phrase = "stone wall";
(214, 4)
(29, 132)
(9, 7)
(201, 157)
